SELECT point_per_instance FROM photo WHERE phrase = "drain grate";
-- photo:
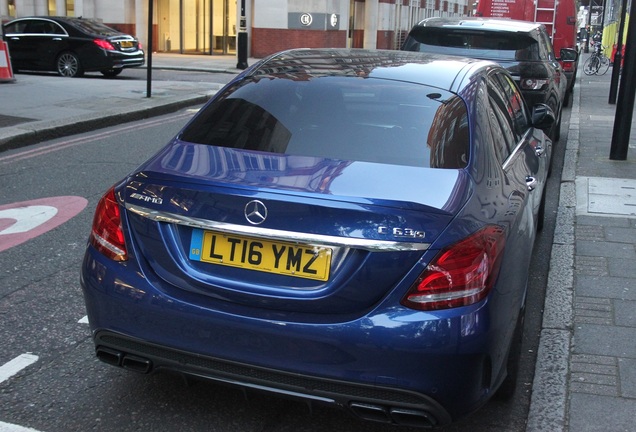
(602, 196)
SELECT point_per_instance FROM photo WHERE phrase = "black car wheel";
(109, 73)
(541, 214)
(68, 65)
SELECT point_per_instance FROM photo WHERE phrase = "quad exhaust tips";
(126, 361)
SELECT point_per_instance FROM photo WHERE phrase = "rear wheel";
(541, 213)
(568, 97)
(603, 65)
(555, 133)
(591, 65)
(68, 65)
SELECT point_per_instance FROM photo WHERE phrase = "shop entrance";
(197, 26)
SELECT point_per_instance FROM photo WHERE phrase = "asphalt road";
(41, 308)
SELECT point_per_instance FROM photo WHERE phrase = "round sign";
(306, 19)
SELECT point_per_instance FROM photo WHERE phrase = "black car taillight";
(461, 274)
(107, 235)
(104, 44)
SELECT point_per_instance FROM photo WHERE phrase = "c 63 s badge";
(401, 232)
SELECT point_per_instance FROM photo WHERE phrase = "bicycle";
(598, 63)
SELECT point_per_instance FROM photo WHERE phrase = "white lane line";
(82, 321)
(8, 427)
(14, 366)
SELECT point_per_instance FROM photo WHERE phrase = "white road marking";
(7, 370)
(14, 366)
(82, 321)
(8, 427)
(27, 218)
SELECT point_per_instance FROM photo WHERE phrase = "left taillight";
(104, 44)
(461, 274)
(107, 235)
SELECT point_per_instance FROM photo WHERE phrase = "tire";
(68, 65)
(591, 65)
(111, 73)
(508, 386)
(555, 132)
(567, 100)
(603, 65)
(541, 212)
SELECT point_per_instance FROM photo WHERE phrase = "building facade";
(211, 26)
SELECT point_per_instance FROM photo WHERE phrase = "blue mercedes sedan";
(351, 227)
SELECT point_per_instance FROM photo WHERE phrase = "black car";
(70, 46)
(524, 48)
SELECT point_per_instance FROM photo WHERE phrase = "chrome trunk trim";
(281, 235)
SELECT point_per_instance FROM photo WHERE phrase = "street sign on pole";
(242, 39)
(149, 51)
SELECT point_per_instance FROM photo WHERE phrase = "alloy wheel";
(68, 65)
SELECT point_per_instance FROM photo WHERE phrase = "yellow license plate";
(126, 44)
(292, 259)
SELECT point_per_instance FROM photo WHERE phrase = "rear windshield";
(471, 43)
(346, 118)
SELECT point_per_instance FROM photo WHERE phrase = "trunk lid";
(276, 231)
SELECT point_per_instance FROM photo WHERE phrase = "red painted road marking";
(25, 220)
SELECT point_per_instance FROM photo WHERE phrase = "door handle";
(539, 150)
(531, 182)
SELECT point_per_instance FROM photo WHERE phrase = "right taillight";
(461, 274)
(107, 235)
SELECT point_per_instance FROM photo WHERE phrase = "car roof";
(488, 24)
(435, 70)
(58, 19)
(41, 17)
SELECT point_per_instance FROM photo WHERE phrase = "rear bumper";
(125, 60)
(106, 60)
(376, 403)
(400, 366)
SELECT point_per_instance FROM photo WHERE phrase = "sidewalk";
(585, 377)
(39, 107)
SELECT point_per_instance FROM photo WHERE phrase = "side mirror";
(569, 54)
(542, 117)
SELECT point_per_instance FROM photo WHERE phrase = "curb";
(33, 133)
(550, 388)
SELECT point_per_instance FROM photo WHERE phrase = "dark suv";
(524, 48)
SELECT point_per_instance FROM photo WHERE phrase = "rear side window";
(14, 28)
(473, 43)
(515, 104)
(346, 118)
(36, 27)
(94, 27)
(501, 121)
